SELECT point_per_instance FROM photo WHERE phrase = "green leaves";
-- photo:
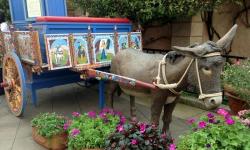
(48, 124)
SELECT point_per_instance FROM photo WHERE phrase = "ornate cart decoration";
(58, 51)
(135, 40)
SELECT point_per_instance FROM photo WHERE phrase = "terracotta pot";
(56, 142)
(235, 103)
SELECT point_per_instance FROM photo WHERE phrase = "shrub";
(48, 124)
(90, 130)
(216, 132)
(138, 135)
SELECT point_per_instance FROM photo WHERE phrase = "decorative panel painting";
(80, 50)
(135, 40)
(28, 46)
(123, 42)
(58, 51)
(8, 42)
(104, 49)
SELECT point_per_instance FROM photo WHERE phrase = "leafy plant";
(48, 124)
(138, 135)
(236, 79)
(90, 130)
(216, 132)
(147, 12)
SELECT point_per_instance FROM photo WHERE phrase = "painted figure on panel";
(81, 50)
(104, 48)
(122, 41)
(59, 53)
(135, 41)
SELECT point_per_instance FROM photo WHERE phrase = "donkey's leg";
(167, 116)
(111, 89)
(132, 107)
(156, 108)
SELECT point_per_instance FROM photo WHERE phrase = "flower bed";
(138, 135)
(221, 131)
(90, 130)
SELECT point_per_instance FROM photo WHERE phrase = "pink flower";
(120, 128)
(230, 121)
(202, 124)
(102, 115)
(91, 114)
(75, 132)
(242, 112)
(191, 121)
(210, 115)
(142, 127)
(222, 112)
(172, 147)
(66, 126)
(164, 136)
(122, 120)
(75, 114)
(134, 142)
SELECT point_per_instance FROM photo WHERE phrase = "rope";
(170, 87)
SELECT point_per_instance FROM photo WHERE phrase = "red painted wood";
(81, 19)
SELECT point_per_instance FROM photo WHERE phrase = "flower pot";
(56, 142)
(235, 103)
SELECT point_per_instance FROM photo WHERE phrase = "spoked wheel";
(14, 83)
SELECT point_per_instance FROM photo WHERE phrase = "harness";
(171, 87)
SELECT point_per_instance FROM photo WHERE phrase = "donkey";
(197, 65)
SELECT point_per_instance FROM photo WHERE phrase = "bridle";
(171, 87)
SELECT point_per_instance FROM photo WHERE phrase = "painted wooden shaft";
(100, 75)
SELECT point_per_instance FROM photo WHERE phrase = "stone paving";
(15, 133)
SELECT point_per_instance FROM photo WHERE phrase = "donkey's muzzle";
(213, 102)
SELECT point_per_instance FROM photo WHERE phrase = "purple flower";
(75, 132)
(172, 147)
(134, 142)
(142, 127)
(66, 126)
(208, 145)
(120, 128)
(164, 136)
(102, 115)
(75, 114)
(222, 112)
(230, 121)
(210, 115)
(91, 114)
(118, 113)
(122, 120)
(191, 121)
(211, 120)
(202, 124)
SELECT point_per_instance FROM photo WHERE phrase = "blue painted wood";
(22, 80)
(17, 10)
(55, 7)
(101, 94)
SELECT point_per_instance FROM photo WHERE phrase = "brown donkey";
(198, 65)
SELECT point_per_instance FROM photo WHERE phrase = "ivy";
(147, 12)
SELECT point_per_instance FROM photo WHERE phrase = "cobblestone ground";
(15, 133)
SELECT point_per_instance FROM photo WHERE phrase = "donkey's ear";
(226, 40)
(196, 51)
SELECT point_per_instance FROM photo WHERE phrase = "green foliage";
(48, 124)
(90, 130)
(219, 134)
(148, 11)
(136, 136)
(238, 77)
(4, 7)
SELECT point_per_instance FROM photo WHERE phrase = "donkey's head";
(207, 67)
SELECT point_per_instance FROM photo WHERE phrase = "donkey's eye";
(206, 71)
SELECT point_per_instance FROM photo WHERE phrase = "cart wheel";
(14, 80)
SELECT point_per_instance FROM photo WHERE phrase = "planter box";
(57, 142)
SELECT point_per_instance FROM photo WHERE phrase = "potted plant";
(236, 82)
(47, 130)
(90, 130)
(138, 135)
(245, 117)
(221, 131)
